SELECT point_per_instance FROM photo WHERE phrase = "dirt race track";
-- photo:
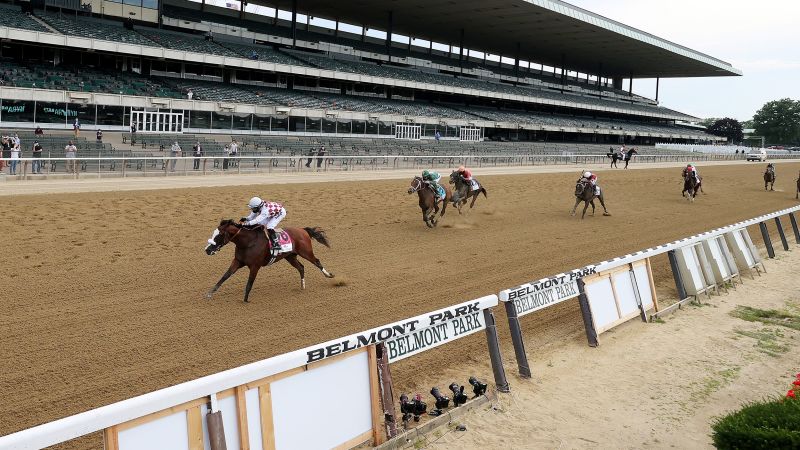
(103, 293)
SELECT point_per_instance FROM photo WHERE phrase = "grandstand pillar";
(516, 62)
(336, 29)
(294, 23)
(389, 35)
(657, 82)
(616, 83)
(630, 86)
(461, 52)
(242, 5)
(563, 72)
(203, 5)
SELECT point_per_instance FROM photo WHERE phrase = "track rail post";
(784, 242)
(586, 312)
(494, 352)
(794, 227)
(676, 275)
(516, 339)
(767, 240)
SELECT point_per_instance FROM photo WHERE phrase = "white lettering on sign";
(412, 335)
(427, 338)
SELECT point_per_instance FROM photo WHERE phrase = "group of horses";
(253, 247)
(429, 200)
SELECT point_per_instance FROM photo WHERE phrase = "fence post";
(387, 394)
(516, 339)
(676, 274)
(494, 352)
(784, 242)
(767, 240)
(794, 227)
(586, 312)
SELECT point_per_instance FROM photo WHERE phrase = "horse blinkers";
(215, 243)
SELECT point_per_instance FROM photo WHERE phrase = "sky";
(761, 38)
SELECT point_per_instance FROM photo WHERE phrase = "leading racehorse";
(252, 250)
(691, 186)
(584, 192)
(464, 191)
(769, 178)
(427, 200)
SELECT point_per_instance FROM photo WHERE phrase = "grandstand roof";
(545, 29)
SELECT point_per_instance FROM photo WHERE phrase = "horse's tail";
(483, 189)
(318, 234)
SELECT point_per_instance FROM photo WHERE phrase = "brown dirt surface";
(103, 293)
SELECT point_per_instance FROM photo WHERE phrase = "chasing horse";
(769, 177)
(254, 250)
(692, 183)
(431, 194)
(586, 190)
(797, 193)
(466, 188)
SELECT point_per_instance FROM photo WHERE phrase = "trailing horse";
(253, 250)
(691, 186)
(797, 194)
(427, 200)
(584, 192)
(769, 179)
(464, 191)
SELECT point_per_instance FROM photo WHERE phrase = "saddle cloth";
(474, 185)
(440, 192)
(287, 245)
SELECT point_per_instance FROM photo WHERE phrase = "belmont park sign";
(546, 292)
(417, 334)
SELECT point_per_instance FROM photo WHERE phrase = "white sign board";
(540, 294)
(411, 336)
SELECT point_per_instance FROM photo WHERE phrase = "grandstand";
(202, 68)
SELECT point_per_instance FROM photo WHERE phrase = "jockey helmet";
(587, 174)
(690, 165)
(255, 202)
(425, 174)
(461, 168)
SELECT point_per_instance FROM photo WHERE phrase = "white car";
(757, 155)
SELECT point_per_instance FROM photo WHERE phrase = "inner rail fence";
(125, 166)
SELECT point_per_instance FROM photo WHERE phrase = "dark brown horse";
(769, 178)
(427, 200)
(691, 185)
(584, 192)
(252, 251)
(464, 191)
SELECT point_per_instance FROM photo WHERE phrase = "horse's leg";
(299, 266)
(235, 265)
(425, 217)
(585, 207)
(603, 204)
(250, 279)
(574, 208)
(474, 197)
(592, 203)
(308, 254)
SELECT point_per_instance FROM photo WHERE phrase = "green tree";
(779, 121)
(728, 128)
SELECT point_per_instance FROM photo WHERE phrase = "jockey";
(690, 168)
(268, 214)
(591, 178)
(433, 179)
(465, 173)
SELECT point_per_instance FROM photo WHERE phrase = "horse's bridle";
(416, 187)
(230, 239)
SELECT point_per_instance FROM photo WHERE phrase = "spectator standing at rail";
(311, 154)
(190, 94)
(197, 150)
(99, 135)
(6, 151)
(437, 135)
(15, 153)
(70, 152)
(76, 127)
(226, 153)
(37, 154)
(175, 152)
(320, 157)
(133, 134)
(38, 131)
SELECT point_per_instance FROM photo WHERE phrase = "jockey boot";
(273, 238)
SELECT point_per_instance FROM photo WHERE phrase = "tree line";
(778, 121)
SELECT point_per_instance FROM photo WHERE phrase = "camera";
(478, 387)
(441, 402)
(459, 398)
(412, 408)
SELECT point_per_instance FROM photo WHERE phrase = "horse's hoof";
(209, 295)
(246, 301)
(606, 214)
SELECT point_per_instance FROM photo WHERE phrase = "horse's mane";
(225, 222)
